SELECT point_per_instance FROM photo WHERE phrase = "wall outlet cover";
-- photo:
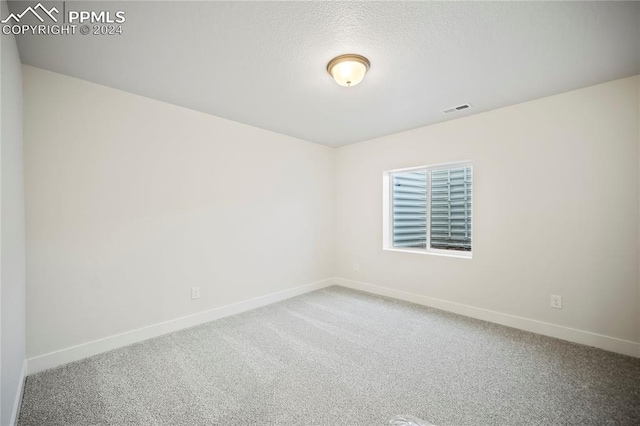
(556, 301)
(195, 293)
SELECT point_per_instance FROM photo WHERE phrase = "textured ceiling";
(263, 63)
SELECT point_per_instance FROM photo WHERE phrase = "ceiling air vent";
(456, 108)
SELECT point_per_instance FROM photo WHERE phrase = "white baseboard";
(18, 401)
(613, 344)
(75, 353)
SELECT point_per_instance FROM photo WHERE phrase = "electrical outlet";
(195, 293)
(556, 301)
(356, 267)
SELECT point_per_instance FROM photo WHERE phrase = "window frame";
(387, 210)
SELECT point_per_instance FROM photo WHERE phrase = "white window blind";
(431, 208)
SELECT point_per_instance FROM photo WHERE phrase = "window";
(429, 209)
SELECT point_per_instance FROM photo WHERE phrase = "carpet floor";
(340, 357)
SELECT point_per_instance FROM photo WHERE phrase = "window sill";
(459, 255)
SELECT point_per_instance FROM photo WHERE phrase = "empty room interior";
(319, 213)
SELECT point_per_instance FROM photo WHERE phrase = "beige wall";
(12, 229)
(556, 210)
(131, 202)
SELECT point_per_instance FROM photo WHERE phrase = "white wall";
(12, 228)
(555, 210)
(131, 202)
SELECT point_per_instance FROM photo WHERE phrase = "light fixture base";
(348, 70)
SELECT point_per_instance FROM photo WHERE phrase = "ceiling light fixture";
(348, 70)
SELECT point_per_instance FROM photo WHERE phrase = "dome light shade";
(348, 70)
